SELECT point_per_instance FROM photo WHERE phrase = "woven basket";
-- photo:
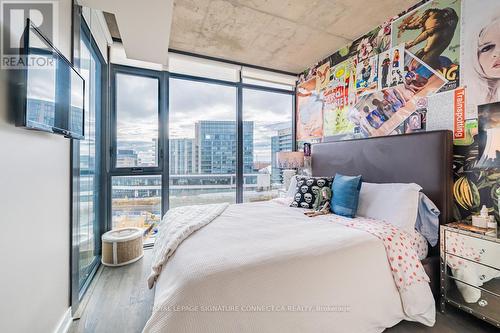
(122, 246)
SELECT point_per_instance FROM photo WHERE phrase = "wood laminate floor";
(118, 300)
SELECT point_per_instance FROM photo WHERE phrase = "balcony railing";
(137, 200)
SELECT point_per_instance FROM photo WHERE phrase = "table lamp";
(290, 161)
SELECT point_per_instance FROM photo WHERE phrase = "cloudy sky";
(269, 112)
(192, 101)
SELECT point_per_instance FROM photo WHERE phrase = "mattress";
(264, 267)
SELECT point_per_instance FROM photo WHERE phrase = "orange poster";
(459, 118)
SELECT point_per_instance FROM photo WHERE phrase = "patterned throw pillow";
(307, 187)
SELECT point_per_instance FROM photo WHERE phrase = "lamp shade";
(290, 159)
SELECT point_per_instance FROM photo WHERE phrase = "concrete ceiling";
(288, 35)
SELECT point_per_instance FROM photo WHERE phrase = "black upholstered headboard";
(424, 158)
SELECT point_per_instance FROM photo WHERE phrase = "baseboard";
(64, 323)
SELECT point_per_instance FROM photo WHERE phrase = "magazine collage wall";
(429, 68)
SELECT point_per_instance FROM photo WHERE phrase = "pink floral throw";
(399, 246)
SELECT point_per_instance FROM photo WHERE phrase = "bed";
(265, 267)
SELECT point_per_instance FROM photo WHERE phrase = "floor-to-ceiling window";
(203, 142)
(270, 114)
(202, 133)
(88, 231)
(136, 163)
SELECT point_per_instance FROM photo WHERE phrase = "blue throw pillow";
(345, 195)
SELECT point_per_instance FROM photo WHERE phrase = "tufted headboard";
(424, 158)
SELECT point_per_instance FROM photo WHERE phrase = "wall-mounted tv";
(49, 92)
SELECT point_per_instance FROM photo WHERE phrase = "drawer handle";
(482, 303)
(482, 277)
(482, 251)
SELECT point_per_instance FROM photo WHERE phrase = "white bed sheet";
(263, 267)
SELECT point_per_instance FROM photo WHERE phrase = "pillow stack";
(345, 191)
(401, 204)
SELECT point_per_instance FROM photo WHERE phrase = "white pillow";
(395, 203)
(292, 188)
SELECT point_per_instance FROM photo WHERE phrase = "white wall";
(34, 217)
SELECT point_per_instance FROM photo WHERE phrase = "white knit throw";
(177, 225)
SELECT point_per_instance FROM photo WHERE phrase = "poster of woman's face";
(481, 53)
(489, 50)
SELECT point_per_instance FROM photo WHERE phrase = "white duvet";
(263, 267)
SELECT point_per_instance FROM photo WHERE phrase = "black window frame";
(139, 72)
(163, 129)
(80, 30)
(292, 93)
(239, 128)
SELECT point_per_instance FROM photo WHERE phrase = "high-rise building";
(280, 142)
(216, 143)
(127, 157)
(182, 157)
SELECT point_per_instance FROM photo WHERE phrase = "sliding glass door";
(88, 230)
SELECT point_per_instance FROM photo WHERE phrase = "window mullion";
(164, 123)
(239, 145)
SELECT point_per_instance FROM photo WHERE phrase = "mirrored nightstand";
(470, 272)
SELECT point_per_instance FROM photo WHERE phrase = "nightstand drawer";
(486, 307)
(473, 248)
(475, 274)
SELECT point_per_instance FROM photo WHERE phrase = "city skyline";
(192, 101)
(262, 151)
(144, 150)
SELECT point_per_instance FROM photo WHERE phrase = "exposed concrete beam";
(144, 26)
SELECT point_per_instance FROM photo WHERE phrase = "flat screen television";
(49, 92)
